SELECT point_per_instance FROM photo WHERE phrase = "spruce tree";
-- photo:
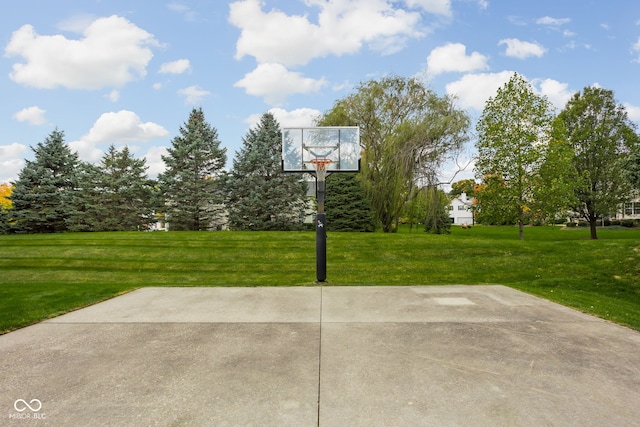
(42, 194)
(115, 195)
(190, 184)
(346, 204)
(259, 195)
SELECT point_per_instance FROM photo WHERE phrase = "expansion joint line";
(319, 353)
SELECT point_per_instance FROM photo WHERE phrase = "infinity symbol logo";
(24, 405)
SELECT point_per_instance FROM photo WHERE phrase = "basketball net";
(320, 164)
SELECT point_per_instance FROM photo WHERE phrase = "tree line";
(531, 165)
(534, 165)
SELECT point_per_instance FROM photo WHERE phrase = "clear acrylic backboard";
(337, 147)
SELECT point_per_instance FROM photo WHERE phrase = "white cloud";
(154, 161)
(633, 111)
(558, 93)
(301, 117)
(11, 162)
(473, 90)
(86, 150)
(521, 49)
(122, 127)
(193, 94)
(175, 67)
(76, 23)
(437, 7)
(113, 96)
(343, 27)
(187, 13)
(274, 83)
(453, 57)
(112, 52)
(32, 115)
(9, 152)
(553, 22)
(636, 48)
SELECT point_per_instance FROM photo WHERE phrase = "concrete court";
(328, 356)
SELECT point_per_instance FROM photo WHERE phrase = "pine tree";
(346, 204)
(259, 195)
(45, 186)
(191, 181)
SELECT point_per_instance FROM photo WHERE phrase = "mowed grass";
(42, 276)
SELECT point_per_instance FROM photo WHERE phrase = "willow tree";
(513, 132)
(406, 132)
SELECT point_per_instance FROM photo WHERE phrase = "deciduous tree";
(466, 186)
(406, 132)
(513, 133)
(602, 138)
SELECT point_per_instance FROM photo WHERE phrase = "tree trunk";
(592, 225)
(521, 229)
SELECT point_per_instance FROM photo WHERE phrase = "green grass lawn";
(45, 275)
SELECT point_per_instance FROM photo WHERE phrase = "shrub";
(627, 223)
(571, 224)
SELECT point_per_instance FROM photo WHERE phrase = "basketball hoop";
(321, 164)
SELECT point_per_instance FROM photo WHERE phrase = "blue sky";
(129, 72)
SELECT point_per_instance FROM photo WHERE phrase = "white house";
(629, 210)
(460, 211)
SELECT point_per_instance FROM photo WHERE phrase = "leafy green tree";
(190, 183)
(602, 137)
(406, 132)
(467, 186)
(492, 203)
(259, 195)
(513, 133)
(436, 216)
(633, 169)
(41, 195)
(346, 204)
(556, 179)
(415, 208)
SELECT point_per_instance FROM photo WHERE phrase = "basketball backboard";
(338, 147)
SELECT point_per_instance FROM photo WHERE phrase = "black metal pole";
(321, 235)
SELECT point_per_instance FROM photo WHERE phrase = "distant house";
(460, 210)
(629, 210)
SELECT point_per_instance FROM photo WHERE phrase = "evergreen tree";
(42, 193)
(116, 195)
(346, 204)
(259, 195)
(191, 182)
(87, 212)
